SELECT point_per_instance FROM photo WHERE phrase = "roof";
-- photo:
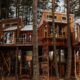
(25, 28)
(11, 28)
(77, 21)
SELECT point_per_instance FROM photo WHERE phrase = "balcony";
(19, 41)
(24, 40)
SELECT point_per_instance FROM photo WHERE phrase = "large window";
(51, 55)
(8, 37)
(50, 17)
(64, 18)
(60, 30)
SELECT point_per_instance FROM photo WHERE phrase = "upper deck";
(14, 33)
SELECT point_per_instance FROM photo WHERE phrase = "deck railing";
(23, 40)
(58, 36)
(28, 40)
(19, 41)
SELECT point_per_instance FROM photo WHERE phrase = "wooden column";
(0, 8)
(14, 38)
(73, 68)
(45, 61)
(79, 65)
(16, 67)
(35, 43)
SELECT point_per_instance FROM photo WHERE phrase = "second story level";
(15, 32)
(60, 23)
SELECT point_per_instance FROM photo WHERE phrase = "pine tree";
(69, 54)
(35, 43)
(54, 40)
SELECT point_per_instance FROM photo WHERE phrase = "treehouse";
(16, 46)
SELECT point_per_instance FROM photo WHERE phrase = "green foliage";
(56, 5)
(57, 1)
(27, 2)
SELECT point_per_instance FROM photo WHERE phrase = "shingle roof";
(11, 28)
(77, 21)
(25, 28)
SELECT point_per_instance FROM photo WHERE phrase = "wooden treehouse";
(16, 45)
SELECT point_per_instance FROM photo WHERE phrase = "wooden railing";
(29, 40)
(20, 41)
(57, 36)
(23, 41)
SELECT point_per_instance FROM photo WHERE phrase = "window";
(60, 30)
(55, 17)
(63, 18)
(51, 55)
(50, 17)
(8, 37)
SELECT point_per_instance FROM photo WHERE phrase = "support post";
(16, 72)
(79, 65)
(73, 69)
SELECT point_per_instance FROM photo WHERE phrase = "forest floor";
(14, 78)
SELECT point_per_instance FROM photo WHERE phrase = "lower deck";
(17, 62)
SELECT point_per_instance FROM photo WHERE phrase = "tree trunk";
(79, 8)
(17, 8)
(69, 55)
(35, 43)
(16, 66)
(7, 9)
(54, 41)
(0, 8)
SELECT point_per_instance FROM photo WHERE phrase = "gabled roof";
(77, 21)
(25, 28)
(11, 28)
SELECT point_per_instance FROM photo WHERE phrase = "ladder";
(45, 61)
